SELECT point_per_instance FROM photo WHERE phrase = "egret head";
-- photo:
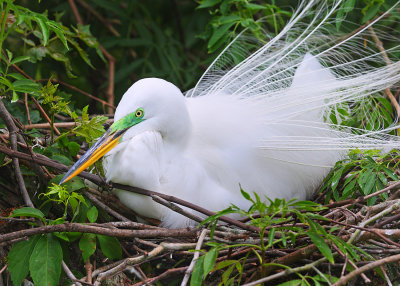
(150, 104)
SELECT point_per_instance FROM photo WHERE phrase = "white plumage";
(263, 123)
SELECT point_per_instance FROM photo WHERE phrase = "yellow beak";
(103, 145)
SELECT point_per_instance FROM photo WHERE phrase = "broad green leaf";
(371, 12)
(110, 246)
(321, 245)
(209, 260)
(20, 59)
(219, 33)
(208, 3)
(197, 275)
(92, 214)
(73, 148)
(390, 174)
(87, 244)
(45, 261)
(18, 259)
(26, 85)
(28, 212)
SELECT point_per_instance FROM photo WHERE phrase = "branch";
(189, 270)
(76, 227)
(5, 115)
(365, 268)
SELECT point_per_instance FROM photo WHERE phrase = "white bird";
(264, 124)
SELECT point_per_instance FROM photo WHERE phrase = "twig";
(27, 108)
(48, 125)
(80, 91)
(374, 218)
(99, 17)
(189, 270)
(5, 115)
(380, 47)
(45, 114)
(70, 274)
(286, 272)
(134, 260)
(89, 270)
(343, 280)
(165, 274)
(105, 207)
(77, 227)
(75, 11)
(175, 208)
(111, 68)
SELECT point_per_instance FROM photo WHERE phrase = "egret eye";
(139, 113)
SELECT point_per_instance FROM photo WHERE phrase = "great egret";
(265, 123)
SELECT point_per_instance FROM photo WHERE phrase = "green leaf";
(218, 34)
(208, 3)
(336, 178)
(371, 12)
(209, 260)
(291, 283)
(41, 20)
(92, 214)
(73, 148)
(224, 264)
(26, 85)
(57, 29)
(321, 245)
(110, 246)
(45, 261)
(20, 59)
(391, 174)
(87, 244)
(28, 212)
(18, 259)
(197, 275)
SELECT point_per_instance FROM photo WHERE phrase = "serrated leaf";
(110, 246)
(28, 212)
(321, 245)
(92, 214)
(18, 259)
(45, 261)
(41, 20)
(87, 244)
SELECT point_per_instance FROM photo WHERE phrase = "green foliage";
(232, 16)
(362, 173)
(277, 219)
(61, 195)
(89, 129)
(41, 256)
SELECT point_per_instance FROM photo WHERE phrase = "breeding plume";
(267, 117)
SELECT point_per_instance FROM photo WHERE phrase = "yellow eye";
(139, 113)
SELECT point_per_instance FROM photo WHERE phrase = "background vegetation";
(63, 62)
